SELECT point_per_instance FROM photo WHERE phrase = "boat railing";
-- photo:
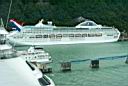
(68, 30)
(78, 31)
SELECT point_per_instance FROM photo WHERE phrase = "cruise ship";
(18, 72)
(85, 32)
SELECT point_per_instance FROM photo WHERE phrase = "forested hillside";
(65, 12)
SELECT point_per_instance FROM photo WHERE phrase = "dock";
(94, 63)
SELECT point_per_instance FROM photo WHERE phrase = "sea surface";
(110, 73)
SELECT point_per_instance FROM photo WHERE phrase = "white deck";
(15, 72)
(4, 47)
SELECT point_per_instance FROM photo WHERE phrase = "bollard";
(94, 63)
(65, 66)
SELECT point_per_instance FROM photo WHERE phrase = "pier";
(65, 66)
(94, 63)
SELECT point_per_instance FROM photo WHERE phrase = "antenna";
(9, 13)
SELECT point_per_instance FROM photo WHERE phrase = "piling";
(126, 60)
(94, 64)
(44, 68)
(65, 66)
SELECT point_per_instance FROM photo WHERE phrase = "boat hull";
(64, 41)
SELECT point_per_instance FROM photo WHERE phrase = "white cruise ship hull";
(77, 40)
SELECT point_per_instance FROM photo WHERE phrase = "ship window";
(29, 64)
(52, 36)
(1, 36)
(59, 35)
(91, 35)
(83, 28)
(31, 37)
(44, 81)
(84, 35)
(2, 41)
(38, 36)
(88, 24)
(45, 36)
(65, 35)
(98, 34)
(109, 34)
(77, 35)
(71, 35)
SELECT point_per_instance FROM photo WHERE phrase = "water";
(110, 73)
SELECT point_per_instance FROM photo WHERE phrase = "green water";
(110, 73)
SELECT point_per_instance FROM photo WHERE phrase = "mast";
(2, 24)
(9, 13)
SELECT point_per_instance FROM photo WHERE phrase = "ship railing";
(69, 30)
(79, 31)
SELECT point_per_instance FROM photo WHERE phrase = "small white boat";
(37, 55)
